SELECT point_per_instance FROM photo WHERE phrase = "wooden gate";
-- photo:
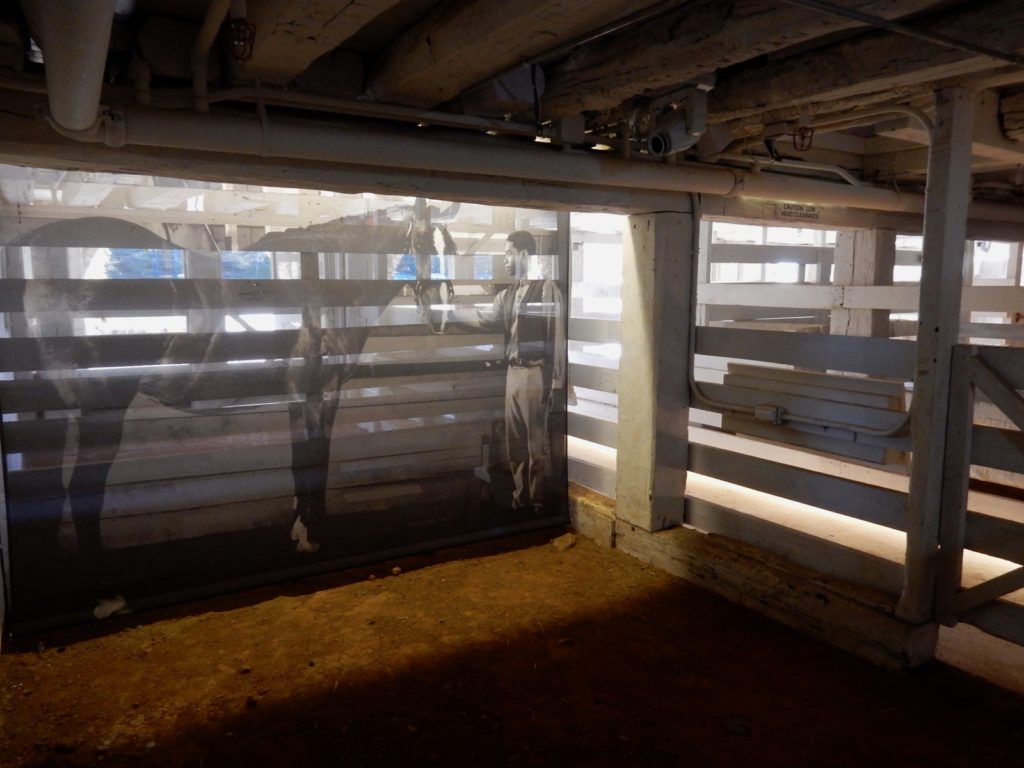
(981, 556)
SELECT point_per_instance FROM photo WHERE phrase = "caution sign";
(799, 212)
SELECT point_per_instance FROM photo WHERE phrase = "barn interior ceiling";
(839, 90)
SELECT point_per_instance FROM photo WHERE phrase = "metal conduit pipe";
(74, 38)
(797, 165)
(403, 150)
(215, 16)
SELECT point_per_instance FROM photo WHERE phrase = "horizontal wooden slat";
(160, 528)
(61, 295)
(39, 438)
(593, 476)
(864, 502)
(415, 436)
(79, 352)
(771, 295)
(996, 536)
(886, 358)
(998, 448)
(239, 383)
(896, 298)
(596, 331)
(169, 447)
(993, 298)
(743, 253)
(886, 388)
(804, 439)
(839, 415)
(793, 386)
(592, 429)
(593, 377)
(823, 555)
(28, 485)
(1011, 331)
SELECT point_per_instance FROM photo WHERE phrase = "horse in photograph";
(316, 382)
(320, 360)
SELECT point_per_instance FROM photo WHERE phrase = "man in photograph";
(529, 314)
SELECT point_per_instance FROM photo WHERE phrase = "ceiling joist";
(701, 37)
(292, 34)
(870, 63)
(465, 42)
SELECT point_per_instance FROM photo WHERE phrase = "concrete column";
(653, 387)
(863, 257)
(942, 275)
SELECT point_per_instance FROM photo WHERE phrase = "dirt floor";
(510, 653)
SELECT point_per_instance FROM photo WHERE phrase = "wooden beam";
(992, 150)
(466, 41)
(701, 37)
(863, 257)
(870, 63)
(292, 34)
(946, 202)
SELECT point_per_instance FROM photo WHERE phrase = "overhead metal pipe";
(74, 38)
(473, 156)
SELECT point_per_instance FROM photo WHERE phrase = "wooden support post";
(863, 257)
(5, 553)
(703, 267)
(945, 230)
(654, 395)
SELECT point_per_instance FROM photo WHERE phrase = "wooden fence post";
(947, 197)
(653, 388)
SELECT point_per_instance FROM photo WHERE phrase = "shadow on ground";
(661, 674)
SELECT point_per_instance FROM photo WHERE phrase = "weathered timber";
(78, 352)
(1011, 111)
(291, 35)
(592, 514)
(854, 618)
(863, 258)
(857, 619)
(701, 37)
(440, 57)
(870, 63)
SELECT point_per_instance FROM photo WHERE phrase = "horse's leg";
(99, 438)
(301, 421)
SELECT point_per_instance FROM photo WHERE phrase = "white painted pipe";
(472, 156)
(74, 38)
(212, 22)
